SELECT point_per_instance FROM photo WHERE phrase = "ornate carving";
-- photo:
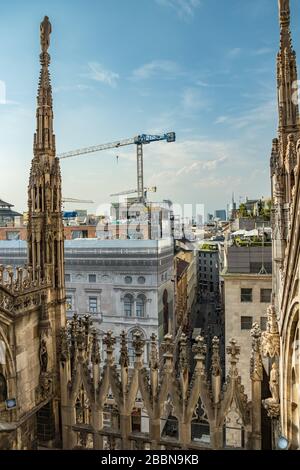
(165, 394)
(233, 350)
(45, 387)
(46, 30)
(256, 366)
(153, 363)
(183, 353)
(200, 349)
(43, 356)
(64, 345)
(138, 344)
(109, 342)
(270, 338)
(124, 359)
(168, 346)
(272, 404)
(215, 360)
(95, 356)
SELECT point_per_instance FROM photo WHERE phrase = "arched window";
(140, 306)
(128, 305)
(3, 389)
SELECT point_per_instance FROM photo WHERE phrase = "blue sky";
(203, 68)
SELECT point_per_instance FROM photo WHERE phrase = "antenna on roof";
(263, 269)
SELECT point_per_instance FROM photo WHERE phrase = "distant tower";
(233, 208)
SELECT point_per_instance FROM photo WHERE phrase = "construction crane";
(139, 141)
(80, 201)
(132, 191)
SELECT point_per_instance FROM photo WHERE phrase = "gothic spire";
(287, 77)
(45, 227)
(44, 139)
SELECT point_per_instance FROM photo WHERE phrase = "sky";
(205, 69)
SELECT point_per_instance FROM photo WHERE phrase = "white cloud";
(67, 88)
(98, 73)
(185, 9)
(192, 100)
(164, 68)
(254, 118)
(235, 52)
(189, 156)
(263, 51)
(221, 119)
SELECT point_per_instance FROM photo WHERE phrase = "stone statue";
(46, 30)
(284, 5)
(43, 356)
(274, 383)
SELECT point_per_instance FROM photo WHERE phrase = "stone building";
(32, 300)
(247, 293)
(186, 289)
(123, 284)
(282, 338)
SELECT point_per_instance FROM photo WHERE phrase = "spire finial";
(46, 30)
(284, 7)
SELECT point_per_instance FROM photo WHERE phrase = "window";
(79, 234)
(141, 280)
(265, 295)
(246, 323)
(69, 303)
(12, 235)
(67, 277)
(246, 295)
(136, 420)
(263, 323)
(128, 280)
(140, 306)
(128, 305)
(92, 278)
(93, 305)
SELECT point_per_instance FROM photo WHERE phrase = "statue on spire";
(46, 30)
(284, 6)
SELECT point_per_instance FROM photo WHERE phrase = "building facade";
(247, 293)
(123, 284)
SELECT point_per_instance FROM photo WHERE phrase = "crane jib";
(138, 140)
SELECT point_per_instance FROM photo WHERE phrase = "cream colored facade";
(240, 316)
